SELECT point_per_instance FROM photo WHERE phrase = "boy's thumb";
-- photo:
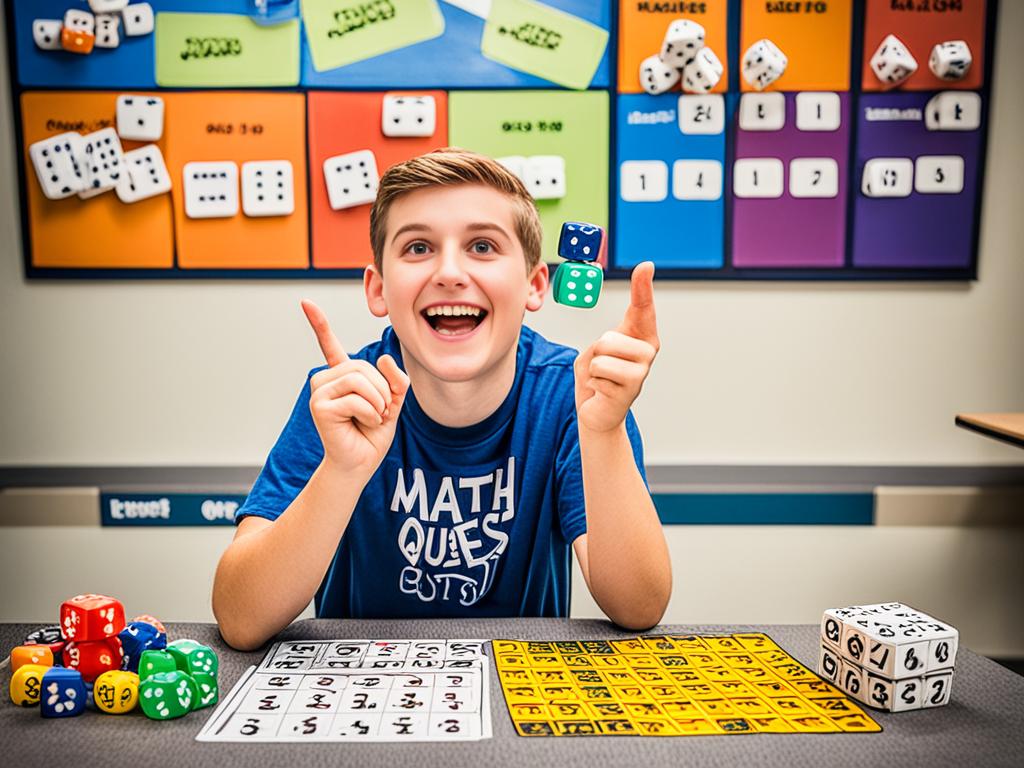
(397, 380)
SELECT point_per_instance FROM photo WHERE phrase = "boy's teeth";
(453, 310)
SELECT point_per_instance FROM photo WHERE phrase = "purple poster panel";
(790, 180)
(932, 225)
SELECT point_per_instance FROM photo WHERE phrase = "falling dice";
(577, 285)
(94, 657)
(703, 73)
(62, 693)
(763, 64)
(191, 657)
(116, 692)
(167, 695)
(950, 60)
(91, 617)
(579, 241)
(154, 662)
(682, 41)
(656, 76)
(892, 62)
(26, 684)
(207, 688)
(137, 637)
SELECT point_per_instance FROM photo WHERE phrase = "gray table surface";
(982, 726)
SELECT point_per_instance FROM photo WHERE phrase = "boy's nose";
(451, 269)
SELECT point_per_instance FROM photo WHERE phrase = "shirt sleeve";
(292, 461)
(572, 512)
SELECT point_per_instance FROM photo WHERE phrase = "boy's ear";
(373, 286)
(538, 287)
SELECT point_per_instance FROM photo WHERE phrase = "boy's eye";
(418, 248)
(482, 246)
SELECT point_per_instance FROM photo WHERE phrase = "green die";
(154, 662)
(208, 690)
(166, 695)
(577, 284)
(192, 657)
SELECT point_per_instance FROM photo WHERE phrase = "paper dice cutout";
(145, 175)
(140, 118)
(268, 188)
(351, 179)
(888, 656)
(408, 115)
(892, 62)
(950, 60)
(47, 33)
(210, 189)
(763, 64)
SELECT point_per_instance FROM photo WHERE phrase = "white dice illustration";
(102, 162)
(408, 115)
(268, 188)
(46, 33)
(656, 76)
(56, 161)
(140, 118)
(544, 177)
(763, 64)
(892, 62)
(682, 41)
(351, 179)
(138, 19)
(210, 189)
(145, 175)
(950, 60)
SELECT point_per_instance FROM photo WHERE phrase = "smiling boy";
(446, 469)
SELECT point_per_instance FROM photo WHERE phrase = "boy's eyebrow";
(475, 227)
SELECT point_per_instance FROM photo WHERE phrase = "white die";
(703, 73)
(408, 116)
(107, 6)
(907, 694)
(102, 162)
(46, 33)
(268, 188)
(138, 19)
(763, 64)
(544, 177)
(682, 41)
(140, 118)
(937, 689)
(892, 62)
(80, 21)
(878, 691)
(107, 25)
(145, 175)
(950, 60)
(57, 166)
(211, 189)
(351, 179)
(656, 76)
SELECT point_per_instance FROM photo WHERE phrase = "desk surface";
(1008, 427)
(982, 725)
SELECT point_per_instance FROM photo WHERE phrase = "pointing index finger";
(334, 353)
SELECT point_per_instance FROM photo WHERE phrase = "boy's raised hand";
(611, 371)
(355, 406)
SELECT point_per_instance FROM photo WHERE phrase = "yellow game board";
(668, 685)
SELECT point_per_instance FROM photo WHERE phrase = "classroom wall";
(204, 373)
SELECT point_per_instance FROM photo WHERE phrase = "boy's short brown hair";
(448, 167)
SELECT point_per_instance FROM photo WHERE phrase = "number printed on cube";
(762, 111)
(643, 181)
(818, 111)
(888, 177)
(878, 691)
(937, 689)
(697, 180)
(832, 627)
(851, 679)
(907, 694)
(758, 177)
(939, 175)
(829, 664)
(701, 115)
(813, 177)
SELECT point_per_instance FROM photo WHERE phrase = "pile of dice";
(683, 59)
(81, 31)
(94, 655)
(893, 63)
(577, 282)
(888, 656)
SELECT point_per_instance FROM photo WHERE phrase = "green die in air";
(208, 690)
(192, 657)
(154, 662)
(166, 695)
(578, 284)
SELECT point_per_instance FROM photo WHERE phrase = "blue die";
(62, 693)
(136, 637)
(582, 242)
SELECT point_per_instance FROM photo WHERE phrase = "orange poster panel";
(815, 35)
(340, 123)
(921, 24)
(642, 27)
(101, 232)
(212, 126)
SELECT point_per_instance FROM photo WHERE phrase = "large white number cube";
(408, 115)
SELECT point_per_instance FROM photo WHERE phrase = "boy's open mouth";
(454, 319)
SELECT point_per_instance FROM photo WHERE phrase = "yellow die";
(31, 654)
(116, 692)
(26, 683)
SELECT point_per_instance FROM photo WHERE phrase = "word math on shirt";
(359, 690)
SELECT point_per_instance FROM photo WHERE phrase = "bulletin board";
(520, 78)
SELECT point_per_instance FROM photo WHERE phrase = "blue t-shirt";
(471, 521)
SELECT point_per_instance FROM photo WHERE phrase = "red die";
(93, 658)
(91, 617)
